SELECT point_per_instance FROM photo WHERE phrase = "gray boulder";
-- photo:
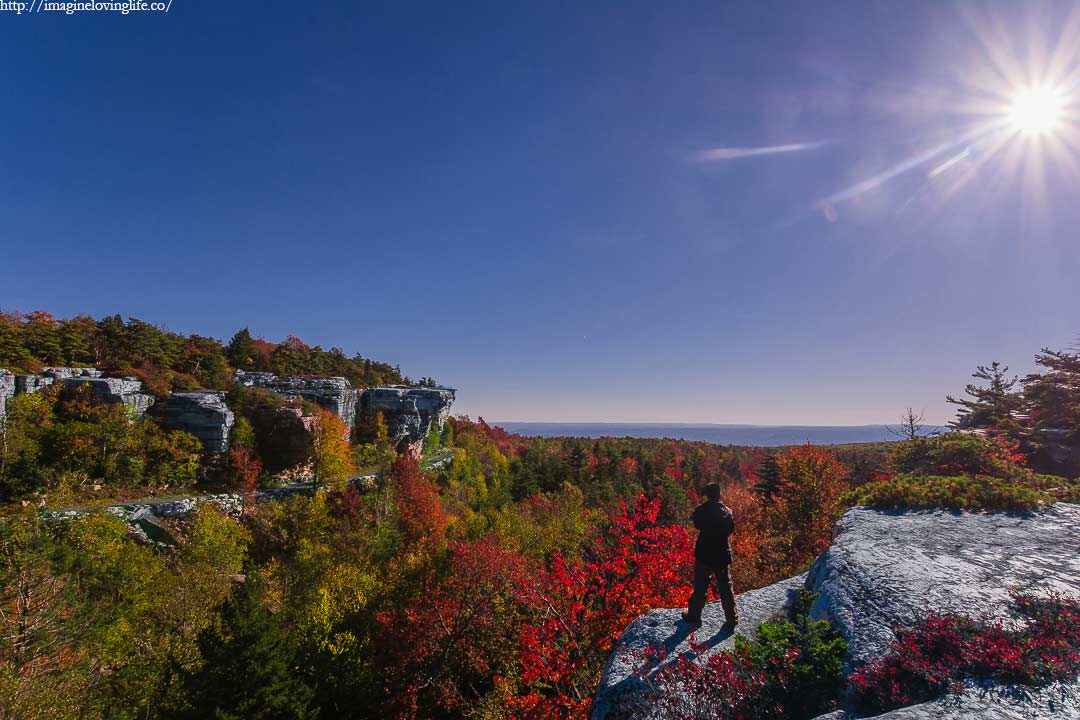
(624, 682)
(7, 390)
(204, 415)
(1056, 702)
(889, 568)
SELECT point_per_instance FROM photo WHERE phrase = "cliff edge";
(887, 569)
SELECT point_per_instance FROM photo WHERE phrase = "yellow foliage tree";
(331, 456)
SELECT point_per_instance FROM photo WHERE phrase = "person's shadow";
(673, 641)
(622, 697)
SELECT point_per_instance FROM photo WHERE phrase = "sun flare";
(1036, 111)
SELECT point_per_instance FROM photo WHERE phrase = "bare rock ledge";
(888, 569)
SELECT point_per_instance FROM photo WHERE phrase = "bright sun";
(1036, 111)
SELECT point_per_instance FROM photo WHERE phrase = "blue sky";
(551, 206)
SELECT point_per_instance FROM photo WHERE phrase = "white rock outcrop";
(891, 568)
(888, 568)
(622, 687)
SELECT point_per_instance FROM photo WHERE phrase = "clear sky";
(786, 213)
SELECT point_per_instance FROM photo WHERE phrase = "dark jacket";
(714, 521)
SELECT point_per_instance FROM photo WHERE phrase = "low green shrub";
(966, 492)
(958, 453)
(801, 660)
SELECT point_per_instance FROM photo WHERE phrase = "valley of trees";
(493, 587)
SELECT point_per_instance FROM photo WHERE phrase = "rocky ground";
(887, 569)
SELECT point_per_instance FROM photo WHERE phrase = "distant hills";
(750, 435)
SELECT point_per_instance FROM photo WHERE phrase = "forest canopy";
(166, 360)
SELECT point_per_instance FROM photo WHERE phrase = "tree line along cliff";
(140, 407)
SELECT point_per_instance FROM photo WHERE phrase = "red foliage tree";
(632, 566)
(421, 517)
(445, 649)
(242, 472)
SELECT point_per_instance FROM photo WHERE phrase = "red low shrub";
(939, 654)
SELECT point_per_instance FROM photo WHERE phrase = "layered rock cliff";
(203, 414)
(127, 391)
(7, 391)
(409, 412)
(887, 569)
(333, 393)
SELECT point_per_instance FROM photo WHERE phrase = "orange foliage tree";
(331, 455)
(806, 506)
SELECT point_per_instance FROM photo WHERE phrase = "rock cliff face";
(334, 393)
(7, 391)
(409, 412)
(11, 385)
(113, 390)
(204, 415)
(888, 569)
(50, 376)
(66, 373)
(25, 384)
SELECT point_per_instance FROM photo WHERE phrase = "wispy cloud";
(732, 153)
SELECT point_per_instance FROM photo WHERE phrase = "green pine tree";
(769, 474)
(991, 406)
(242, 351)
(248, 670)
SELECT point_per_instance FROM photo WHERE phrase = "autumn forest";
(491, 586)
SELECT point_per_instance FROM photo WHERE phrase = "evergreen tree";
(248, 670)
(41, 337)
(1053, 401)
(242, 350)
(12, 352)
(1054, 395)
(991, 407)
(769, 474)
(77, 337)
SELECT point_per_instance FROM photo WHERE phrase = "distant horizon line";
(696, 424)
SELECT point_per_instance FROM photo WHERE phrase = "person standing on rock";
(712, 556)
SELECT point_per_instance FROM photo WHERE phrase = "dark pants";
(702, 575)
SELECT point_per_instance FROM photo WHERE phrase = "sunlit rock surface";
(621, 689)
(7, 391)
(889, 568)
(1056, 702)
